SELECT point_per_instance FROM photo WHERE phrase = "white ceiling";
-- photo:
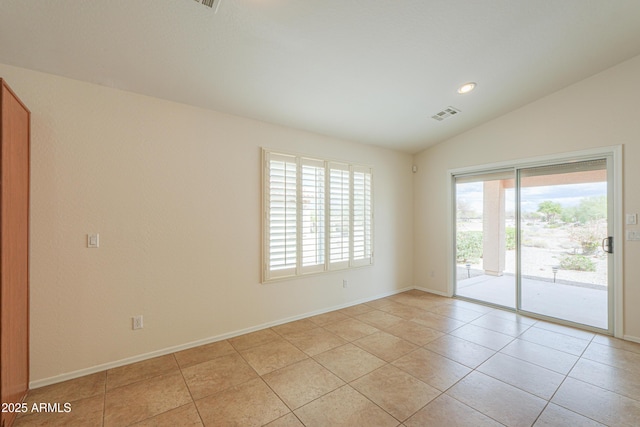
(372, 71)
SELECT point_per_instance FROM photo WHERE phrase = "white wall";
(603, 110)
(174, 192)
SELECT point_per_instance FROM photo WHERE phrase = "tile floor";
(412, 359)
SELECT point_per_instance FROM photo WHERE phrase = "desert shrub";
(577, 262)
(588, 236)
(510, 236)
(539, 243)
(468, 246)
(590, 247)
(530, 240)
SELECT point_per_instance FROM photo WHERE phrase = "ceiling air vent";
(210, 3)
(445, 114)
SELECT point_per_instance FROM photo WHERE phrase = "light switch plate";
(632, 219)
(93, 240)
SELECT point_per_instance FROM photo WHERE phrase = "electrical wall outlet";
(633, 235)
(137, 322)
(345, 283)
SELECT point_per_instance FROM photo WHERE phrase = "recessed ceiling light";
(466, 88)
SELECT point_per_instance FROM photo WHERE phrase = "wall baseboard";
(169, 350)
(431, 291)
(631, 338)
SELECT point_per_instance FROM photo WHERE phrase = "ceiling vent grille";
(445, 114)
(210, 3)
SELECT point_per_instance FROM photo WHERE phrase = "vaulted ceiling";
(371, 71)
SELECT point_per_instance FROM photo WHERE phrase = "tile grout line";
(563, 381)
(104, 398)
(476, 368)
(265, 382)
(193, 401)
(448, 333)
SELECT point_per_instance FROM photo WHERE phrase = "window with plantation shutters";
(361, 216)
(282, 215)
(318, 215)
(339, 213)
(313, 213)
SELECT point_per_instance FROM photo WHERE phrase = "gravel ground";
(538, 262)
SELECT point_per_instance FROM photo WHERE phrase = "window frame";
(313, 190)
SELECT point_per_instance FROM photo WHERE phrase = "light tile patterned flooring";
(412, 359)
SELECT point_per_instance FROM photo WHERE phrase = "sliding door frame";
(615, 175)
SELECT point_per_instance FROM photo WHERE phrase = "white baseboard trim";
(162, 352)
(431, 291)
(631, 338)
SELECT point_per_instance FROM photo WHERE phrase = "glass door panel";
(486, 237)
(564, 265)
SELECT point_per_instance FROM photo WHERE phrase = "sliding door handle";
(607, 244)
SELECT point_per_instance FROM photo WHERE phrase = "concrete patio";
(584, 304)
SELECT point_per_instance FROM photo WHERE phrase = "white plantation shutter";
(339, 215)
(362, 217)
(318, 215)
(313, 215)
(282, 215)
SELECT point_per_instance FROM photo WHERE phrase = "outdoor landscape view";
(563, 264)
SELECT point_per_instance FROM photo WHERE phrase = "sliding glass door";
(537, 240)
(564, 247)
(486, 237)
